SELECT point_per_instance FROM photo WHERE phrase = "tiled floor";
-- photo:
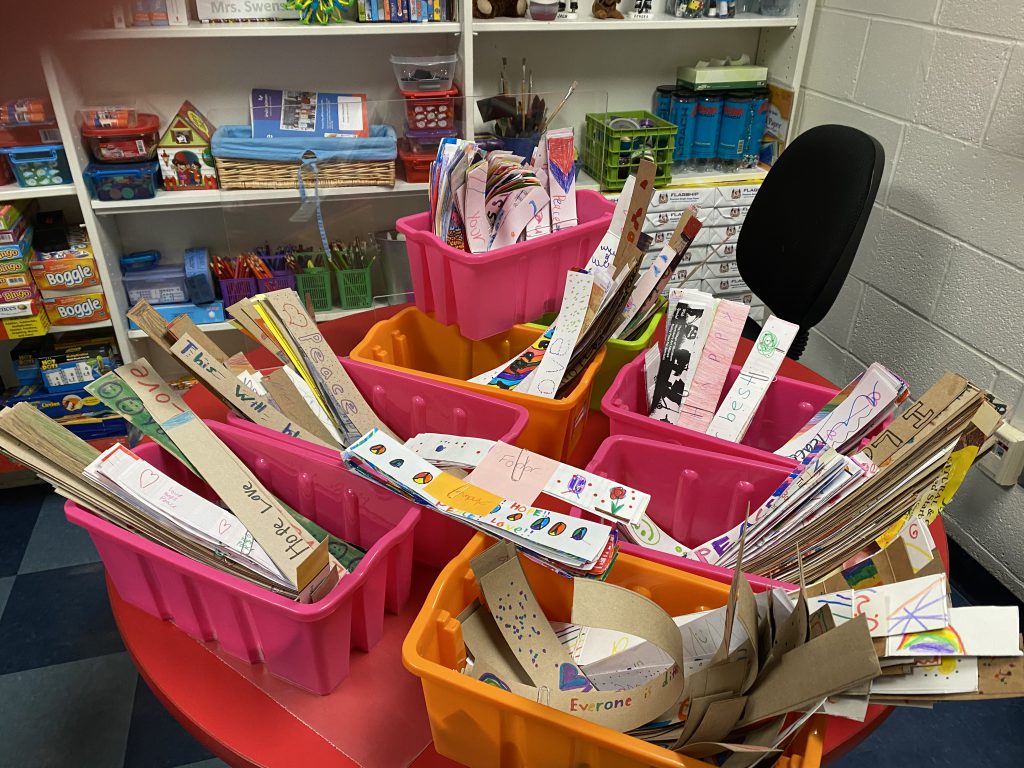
(72, 699)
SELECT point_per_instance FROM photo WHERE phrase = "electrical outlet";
(1005, 462)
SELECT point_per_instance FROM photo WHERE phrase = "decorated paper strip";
(548, 376)
(566, 539)
(561, 170)
(734, 415)
(687, 329)
(915, 605)
(709, 379)
(861, 404)
(599, 495)
(976, 630)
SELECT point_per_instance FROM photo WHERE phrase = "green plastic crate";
(315, 282)
(610, 155)
(354, 288)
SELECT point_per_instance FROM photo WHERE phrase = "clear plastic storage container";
(424, 73)
(160, 285)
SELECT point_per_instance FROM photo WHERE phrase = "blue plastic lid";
(39, 149)
(101, 170)
(141, 260)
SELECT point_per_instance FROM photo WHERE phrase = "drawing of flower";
(618, 492)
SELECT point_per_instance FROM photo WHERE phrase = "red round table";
(246, 727)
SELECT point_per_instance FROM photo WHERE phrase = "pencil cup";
(315, 283)
(354, 289)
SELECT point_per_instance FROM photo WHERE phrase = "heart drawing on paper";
(570, 679)
(224, 526)
(295, 317)
(148, 477)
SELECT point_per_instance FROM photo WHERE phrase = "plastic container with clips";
(415, 343)
(42, 166)
(480, 725)
(308, 645)
(418, 74)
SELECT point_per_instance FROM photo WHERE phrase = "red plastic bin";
(695, 495)
(787, 406)
(409, 405)
(487, 293)
(415, 165)
(307, 645)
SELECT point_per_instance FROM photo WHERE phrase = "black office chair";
(802, 231)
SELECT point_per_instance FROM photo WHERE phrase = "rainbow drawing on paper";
(516, 371)
(941, 642)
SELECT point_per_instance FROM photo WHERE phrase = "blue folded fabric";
(235, 141)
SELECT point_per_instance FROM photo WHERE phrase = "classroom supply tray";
(247, 163)
(413, 342)
(695, 496)
(42, 166)
(307, 645)
(487, 293)
(409, 405)
(617, 354)
(315, 283)
(480, 725)
(787, 406)
(612, 154)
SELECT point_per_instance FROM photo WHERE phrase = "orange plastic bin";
(482, 726)
(414, 342)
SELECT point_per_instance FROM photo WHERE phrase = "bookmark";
(709, 380)
(547, 378)
(691, 318)
(734, 415)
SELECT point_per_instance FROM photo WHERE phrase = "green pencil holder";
(354, 288)
(618, 353)
(315, 282)
(610, 155)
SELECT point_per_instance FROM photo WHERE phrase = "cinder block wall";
(938, 282)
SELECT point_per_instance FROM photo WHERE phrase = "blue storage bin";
(42, 166)
(123, 181)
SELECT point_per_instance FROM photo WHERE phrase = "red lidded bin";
(124, 145)
(430, 111)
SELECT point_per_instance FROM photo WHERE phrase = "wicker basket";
(236, 173)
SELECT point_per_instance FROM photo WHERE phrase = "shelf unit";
(215, 66)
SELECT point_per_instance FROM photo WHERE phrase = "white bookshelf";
(215, 65)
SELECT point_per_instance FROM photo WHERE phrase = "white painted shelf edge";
(268, 29)
(81, 327)
(214, 198)
(17, 192)
(585, 23)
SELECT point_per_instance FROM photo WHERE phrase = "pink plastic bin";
(308, 645)
(788, 405)
(485, 294)
(408, 405)
(695, 495)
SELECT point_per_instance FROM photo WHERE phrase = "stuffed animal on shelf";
(605, 9)
(492, 9)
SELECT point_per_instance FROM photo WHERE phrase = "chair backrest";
(801, 233)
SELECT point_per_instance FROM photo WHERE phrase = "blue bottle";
(707, 123)
(759, 105)
(734, 131)
(684, 113)
(663, 101)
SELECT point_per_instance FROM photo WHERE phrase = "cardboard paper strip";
(535, 647)
(254, 407)
(734, 415)
(298, 556)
